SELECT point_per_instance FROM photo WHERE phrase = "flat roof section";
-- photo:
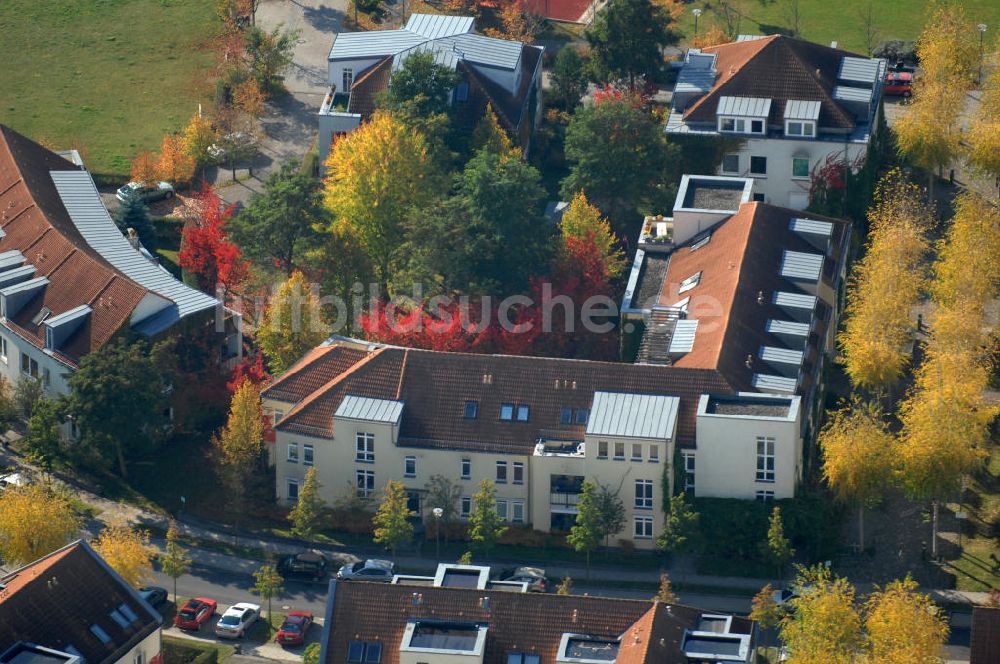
(749, 406)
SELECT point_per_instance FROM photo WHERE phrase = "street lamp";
(438, 513)
(697, 12)
(982, 31)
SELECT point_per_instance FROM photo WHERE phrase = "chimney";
(833, 44)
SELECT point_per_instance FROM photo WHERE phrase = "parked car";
(149, 193)
(533, 576)
(368, 570)
(196, 613)
(155, 595)
(305, 565)
(899, 83)
(11, 480)
(782, 597)
(293, 630)
(237, 619)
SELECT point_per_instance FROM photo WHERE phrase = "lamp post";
(438, 513)
(982, 31)
(697, 12)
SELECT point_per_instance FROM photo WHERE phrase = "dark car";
(305, 565)
(533, 576)
(155, 595)
(293, 630)
(899, 83)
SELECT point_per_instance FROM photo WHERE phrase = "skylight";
(690, 282)
(701, 241)
(471, 409)
(522, 413)
(99, 632)
(506, 411)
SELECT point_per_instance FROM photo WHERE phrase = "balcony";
(657, 234)
(560, 448)
(335, 103)
(564, 503)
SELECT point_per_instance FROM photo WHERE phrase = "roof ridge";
(763, 43)
(811, 73)
(303, 362)
(302, 405)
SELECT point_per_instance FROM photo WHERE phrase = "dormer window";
(800, 128)
(743, 115)
(741, 125)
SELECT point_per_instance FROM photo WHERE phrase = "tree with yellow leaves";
(239, 446)
(489, 135)
(947, 48)
(858, 457)
(713, 36)
(824, 626)
(967, 269)
(583, 221)
(376, 177)
(886, 284)
(144, 168)
(199, 136)
(174, 164)
(34, 521)
(903, 626)
(293, 323)
(127, 551)
(984, 129)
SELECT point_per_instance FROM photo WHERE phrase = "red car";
(293, 630)
(899, 83)
(195, 613)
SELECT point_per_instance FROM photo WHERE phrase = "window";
(365, 447)
(501, 472)
(462, 92)
(471, 409)
(507, 411)
(765, 459)
(636, 452)
(523, 658)
(517, 511)
(689, 283)
(654, 453)
(46, 377)
(756, 126)
(3, 350)
(731, 163)
(413, 501)
(566, 415)
(410, 466)
(293, 453)
(293, 489)
(800, 167)
(582, 415)
(602, 449)
(307, 455)
(97, 631)
(277, 416)
(793, 128)
(522, 413)
(518, 472)
(465, 506)
(139, 658)
(127, 611)
(29, 366)
(502, 508)
(732, 125)
(758, 198)
(643, 527)
(764, 496)
(758, 165)
(619, 451)
(119, 618)
(365, 481)
(347, 79)
(466, 468)
(688, 471)
(364, 652)
(644, 494)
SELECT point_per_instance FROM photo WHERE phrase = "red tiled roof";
(780, 68)
(310, 373)
(560, 10)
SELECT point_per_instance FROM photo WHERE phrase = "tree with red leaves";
(206, 250)
(446, 327)
(251, 369)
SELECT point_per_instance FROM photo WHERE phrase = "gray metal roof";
(811, 226)
(443, 54)
(694, 79)
(371, 410)
(433, 26)
(10, 259)
(743, 38)
(16, 275)
(772, 383)
(695, 59)
(780, 355)
(682, 340)
(801, 110)
(747, 107)
(488, 51)
(801, 265)
(372, 44)
(633, 415)
(787, 327)
(861, 70)
(69, 316)
(851, 94)
(88, 214)
(794, 300)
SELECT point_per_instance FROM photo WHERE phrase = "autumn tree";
(713, 35)
(490, 135)
(239, 446)
(144, 170)
(293, 323)
(903, 625)
(486, 526)
(34, 521)
(377, 177)
(586, 533)
(627, 39)
(765, 610)
(947, 48)
(779, 547)
(308, 510)
(268, 583)
(199, 136)
(858, 457)
(583, 222)
(824, 626)
(984, 128)
(174, 164)
(680, 527)
(392, 520)
(967, 270)
(206, 250)
(127, 551)
(665, 593)
(174, 561)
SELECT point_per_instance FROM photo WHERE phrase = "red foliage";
(248, 369)
(206, 250)
(613, 93)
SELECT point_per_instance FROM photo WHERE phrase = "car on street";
(372, 569)
(533, 576)
(311, 565)
(899, 83)
(293, 630)
(155, 595)
(195, 613)
(149, 193)
(237, 619)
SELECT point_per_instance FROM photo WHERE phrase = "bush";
(176, 651)
(356, 522)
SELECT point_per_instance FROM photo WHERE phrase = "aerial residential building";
(70, 282)
(788, 105)
(503, 73)
(403, 624)
(70, 607)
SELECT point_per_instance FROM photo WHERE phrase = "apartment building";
(787, 105)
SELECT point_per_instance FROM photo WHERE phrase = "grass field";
(109, 77)
(824, 21)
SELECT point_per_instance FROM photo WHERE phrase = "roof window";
(701, 241)
(522, 413)
(690, 282)
(507, 412)
(99, 632)
(364, 652)
(471, 409)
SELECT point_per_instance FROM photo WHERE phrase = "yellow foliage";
(127, 551)
(293, 323)
(198, 136)
(947, 47)
(581, 219)
(174, 164)
(34, 522)
(984, 130)
(824, 626)
(144, 168)
(248, 97)
(857, 454)
(713, 36)
(904, 626)
(928, 133)
(241, 442)
(968, 258)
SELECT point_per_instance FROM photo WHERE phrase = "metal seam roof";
(748, 107)
(769, 383)
(633, 415)
(801, 265)
(369, 409)
(683, 337)
(795, 300)
(802, 110)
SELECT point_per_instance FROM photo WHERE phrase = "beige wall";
(149, 647)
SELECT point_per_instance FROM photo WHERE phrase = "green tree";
(277, 227)
(568, 77)
(311, 654)
(9, 410)
(627, 39)
(43, 442)
(133, 213)
(293, 324)
(485, 525)
(27, 392)
(269, 54)
(421, 88)
(392, 520)
(779, 547)
(267, 584)
(307, 512)
(444, 493)
(610, 512)
(619, 156)
(174, 561)
(118, 399)
(681, 525)
(586, 533)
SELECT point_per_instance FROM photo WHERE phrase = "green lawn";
(109, 77)
(824, 21)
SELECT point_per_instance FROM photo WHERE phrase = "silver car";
(148, 193)
(368, 570)
(237, 619)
